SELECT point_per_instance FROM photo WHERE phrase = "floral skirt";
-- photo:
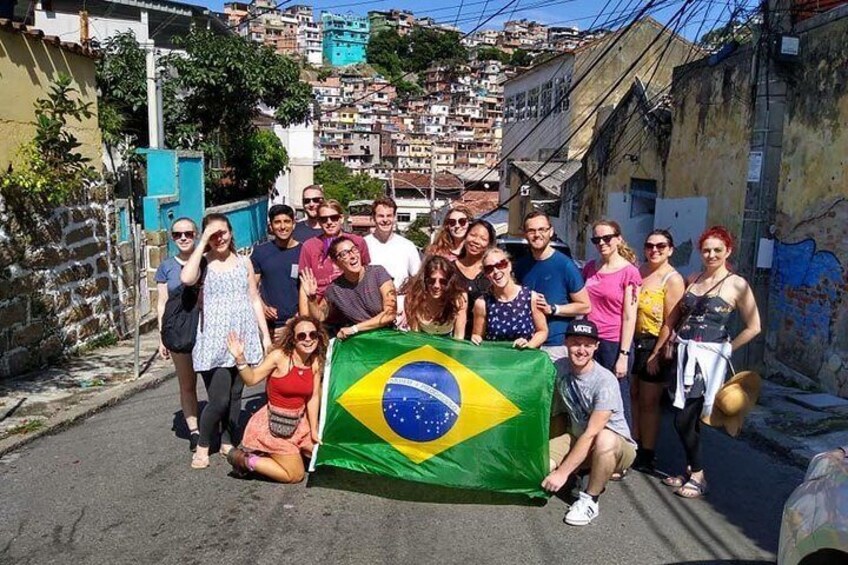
(258, 438)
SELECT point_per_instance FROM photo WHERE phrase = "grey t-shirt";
(361, 301)
(595, 390)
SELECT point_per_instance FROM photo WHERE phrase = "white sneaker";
(583, 511)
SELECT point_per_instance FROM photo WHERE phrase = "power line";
(611, 90)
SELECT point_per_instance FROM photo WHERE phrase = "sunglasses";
(440, 280)
(303, 336)
(344, 253)
(316, 200)
(500, 265)
(178, 235)
(334, 218)
(605, 238)
(462, 222)
(657, 246)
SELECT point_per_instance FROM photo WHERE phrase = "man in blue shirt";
(556, 280)
(275, 263)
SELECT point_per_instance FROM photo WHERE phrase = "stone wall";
(65, 282)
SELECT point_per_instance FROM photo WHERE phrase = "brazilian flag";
(437, 410)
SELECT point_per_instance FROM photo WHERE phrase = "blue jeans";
(607, 355)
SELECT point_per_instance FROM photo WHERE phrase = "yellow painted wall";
(655, 69)
(27, 67)
(710, 138)
(814, 161)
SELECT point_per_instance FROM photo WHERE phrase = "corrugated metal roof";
(549, 176)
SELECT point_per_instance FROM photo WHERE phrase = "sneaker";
(583, 511)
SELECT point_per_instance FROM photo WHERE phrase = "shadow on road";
(396, 489)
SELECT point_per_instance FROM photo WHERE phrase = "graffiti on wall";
(804, 296)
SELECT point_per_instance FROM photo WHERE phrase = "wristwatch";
(625, 353)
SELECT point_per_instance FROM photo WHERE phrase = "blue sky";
(580, 13)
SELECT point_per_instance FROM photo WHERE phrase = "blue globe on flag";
(421, 401)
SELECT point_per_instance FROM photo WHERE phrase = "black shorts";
(643, 348)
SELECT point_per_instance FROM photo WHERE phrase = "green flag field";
(437, 410)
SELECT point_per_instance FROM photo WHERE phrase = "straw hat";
(734, 400)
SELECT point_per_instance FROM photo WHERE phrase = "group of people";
(619, 332)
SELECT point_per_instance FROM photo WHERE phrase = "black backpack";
(181, 316)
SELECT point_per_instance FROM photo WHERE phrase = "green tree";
(428, 47)
(734, 30)
(416, 234)
(50, 166)
(341, 184)
(385, 52)
(521, 58)
(121, 81)
(488, 53)
(211, 99)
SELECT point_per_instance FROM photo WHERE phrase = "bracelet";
(555, 310)
(241, 366)
(354, 329)
(625, 353)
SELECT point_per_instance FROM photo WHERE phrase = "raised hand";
(308, 282)
(235, 345)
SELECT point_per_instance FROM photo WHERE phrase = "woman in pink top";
(613, 285)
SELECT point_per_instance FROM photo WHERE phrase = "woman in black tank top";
(701, 316)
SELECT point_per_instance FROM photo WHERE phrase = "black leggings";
(223, 388)
(687, 422)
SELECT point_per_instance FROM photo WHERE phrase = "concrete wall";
(710, 137)
(299, 143)
(28, 65)
(807, 335)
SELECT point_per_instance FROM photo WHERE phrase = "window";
(404, 217)
(532, 103)
(520, 107)
(643, 197)
(545, 99)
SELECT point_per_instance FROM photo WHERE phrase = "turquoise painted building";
(345, 39)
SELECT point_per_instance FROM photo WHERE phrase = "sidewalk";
(47, 401)
(790, 422)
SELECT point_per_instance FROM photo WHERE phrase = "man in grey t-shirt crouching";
(599, 437)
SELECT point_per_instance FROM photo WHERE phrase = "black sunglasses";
(441, 280)
(657, 246)
(605, 238)
(316, 200)
(333, 218)
(178, 235)
(454, 221)
(303, 336)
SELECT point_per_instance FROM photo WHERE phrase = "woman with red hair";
(704, 347)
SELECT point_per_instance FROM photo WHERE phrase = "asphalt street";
(118, 489)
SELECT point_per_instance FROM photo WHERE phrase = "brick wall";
(64, 282)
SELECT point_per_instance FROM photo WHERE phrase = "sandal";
(618, 476)
(193, 438)
(692, 489)
(199, 461)
(675, 482)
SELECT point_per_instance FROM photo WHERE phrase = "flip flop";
(696, 488)
(675, 482)
(618, 476)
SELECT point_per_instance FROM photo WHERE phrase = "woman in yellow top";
(662, 288)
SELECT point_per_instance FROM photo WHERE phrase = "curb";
(794, 453)
(87, 408)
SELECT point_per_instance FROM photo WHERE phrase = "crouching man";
(598, 438)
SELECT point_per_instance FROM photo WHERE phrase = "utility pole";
(154, 100)
(765, 150)
(432, 186)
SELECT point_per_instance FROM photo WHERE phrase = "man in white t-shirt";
(392, 251)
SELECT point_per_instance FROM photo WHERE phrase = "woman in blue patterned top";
(506, 312)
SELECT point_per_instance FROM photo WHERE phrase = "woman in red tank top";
(284, 431)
